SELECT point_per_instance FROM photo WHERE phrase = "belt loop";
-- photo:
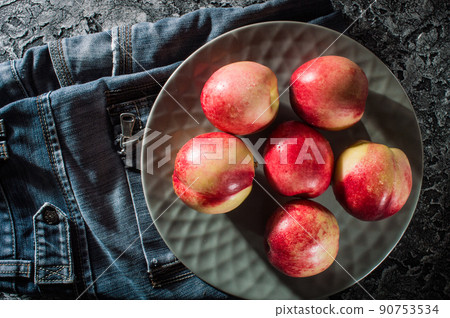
(62, 71)
(15, 268)
(122, 50)
(3, 149)
(53, 258)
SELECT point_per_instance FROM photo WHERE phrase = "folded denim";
(73, 218)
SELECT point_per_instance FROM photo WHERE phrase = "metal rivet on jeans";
(50, 216)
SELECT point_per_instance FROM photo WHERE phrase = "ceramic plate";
(227, 250)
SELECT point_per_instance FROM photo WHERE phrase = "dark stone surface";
(410, 36)
(412, 39)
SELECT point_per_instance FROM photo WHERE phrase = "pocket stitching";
(172, 280)
(51, 272)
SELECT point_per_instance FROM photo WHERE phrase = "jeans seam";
(136, 217)
(134, 88)
(46, 137)
(27, 273)
(53, 166)
(123, 48)
(119, 31)
(129, 48)
(172, 280)
(136, 107)
(54, 55)
(162, 267)
(123, 53)
(13, 232)
(17, 78)
(36, 254)
(179, 277)
(66, 71)
(58, 280)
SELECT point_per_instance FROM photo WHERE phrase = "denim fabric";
(73, 217)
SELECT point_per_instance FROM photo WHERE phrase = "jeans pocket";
(163, 267)
(11, 268)
(165, 271)
(128, 109)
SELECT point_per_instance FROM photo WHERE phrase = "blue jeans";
(72, 214)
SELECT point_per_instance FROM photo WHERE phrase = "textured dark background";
(410, 36)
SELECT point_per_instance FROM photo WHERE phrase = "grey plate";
(227, 250)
